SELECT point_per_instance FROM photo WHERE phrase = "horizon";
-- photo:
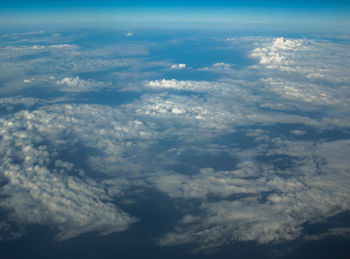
(331, 13)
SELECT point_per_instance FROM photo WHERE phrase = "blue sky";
(177, 3)
(249, 11)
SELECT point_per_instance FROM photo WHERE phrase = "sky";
(251, 11)
(174, 140)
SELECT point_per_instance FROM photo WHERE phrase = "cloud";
(278, 52)
(50, 55)
(281, 125)
(8, 232)
(218, 67)
(207, 181)
(75, 84)
(178, 85)
(256, 204)
(129, 34)
(332, 232)
(306, 92)
(224, 112)
(37, 195)
(54, 49)
(27, 81)
(178, 66)
(305, 57)
(42, 188)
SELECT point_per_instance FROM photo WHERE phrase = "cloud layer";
(259, 152)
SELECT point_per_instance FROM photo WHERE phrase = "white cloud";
(178, 85)
(178, 66)
(37, 195)
(43, 188)
(75, 84)
(218, 67)
(307, 58)
(226, 102)
(277, 184)
(55, 49)
(267, 207)
(221, 183)
(27, 81)
(279, 52)
(304, 91)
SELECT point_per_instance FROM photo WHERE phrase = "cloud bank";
(258, 153)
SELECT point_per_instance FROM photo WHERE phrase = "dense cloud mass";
(262, 204)
(261, 151)
(41, 188)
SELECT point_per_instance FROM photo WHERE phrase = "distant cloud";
(75, 84)
(221, 66)
(175, 84)
(178, 66)
(129, 34)
(27, 81)
(39, 48)
(278, 52)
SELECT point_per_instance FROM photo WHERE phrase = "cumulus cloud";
(178, 85)
(37, 195)
(282, 174)
(75, 84)
(305, 57)
(207, 181)
(256, 204)
(223, 112)
(27, 81)
(278, 52)
(41, 188)
(51, 55)
(178, 66)
(308, 77)
(306, 92)
(221, 66)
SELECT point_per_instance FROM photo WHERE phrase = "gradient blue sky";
(270, 11)
(178, 3)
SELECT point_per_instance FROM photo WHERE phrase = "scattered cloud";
(27, 81)
(255, 204)
(178, 85)
(221, 66)
(178, 66)
(281, 177)
(75, 84)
